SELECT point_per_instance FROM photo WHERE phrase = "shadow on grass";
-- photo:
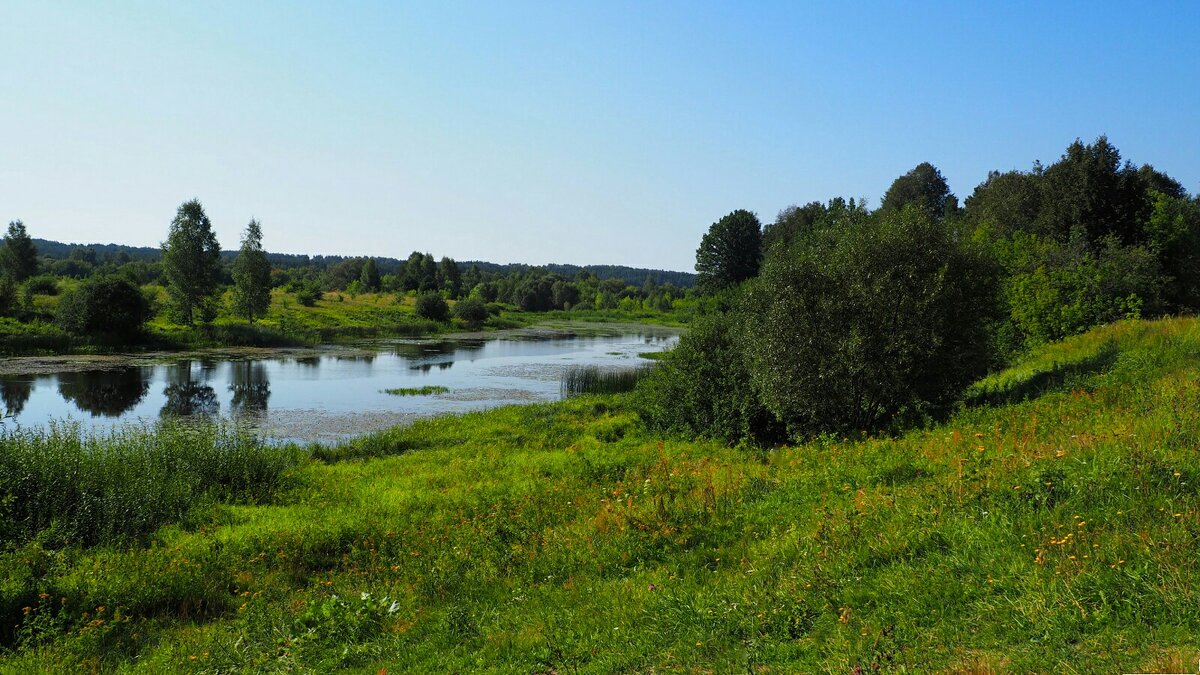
(1058, 377)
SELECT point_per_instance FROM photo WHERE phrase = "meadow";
(334, 317)
(1049, 524)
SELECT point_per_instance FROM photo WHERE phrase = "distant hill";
(630, 275)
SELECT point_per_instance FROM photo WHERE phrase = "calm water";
(322, 397)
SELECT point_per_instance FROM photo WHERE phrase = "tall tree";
(191, 263)
(730, 251)
(18, 258)
(369, 279)
(451, 277)
(252, 276)
(923, 186)
(1090, 191)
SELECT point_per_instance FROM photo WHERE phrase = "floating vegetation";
(579, 380)
(428, 390)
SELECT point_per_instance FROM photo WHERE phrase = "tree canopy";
(923, 187)
(730, 251)
(191, 263)
(251, 276)
(18, 257)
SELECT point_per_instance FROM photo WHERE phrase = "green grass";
(578, 380)
(427, 390)
(335, 318)
(1049, 526)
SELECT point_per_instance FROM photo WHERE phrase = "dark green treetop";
(18, 257)
(251, 276)
(191, 263)
(730, 251)
(923, 186)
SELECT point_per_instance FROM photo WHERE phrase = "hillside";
(1049, 526)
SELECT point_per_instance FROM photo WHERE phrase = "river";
(320, 395)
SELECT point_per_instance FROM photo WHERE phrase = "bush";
(104, 306)
(1055, 290)
(471, 312)
(880, 318)
(433, 306)
(308, 295)
(41, 285)
(702, 388)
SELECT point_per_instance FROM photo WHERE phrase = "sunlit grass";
(1049, 526)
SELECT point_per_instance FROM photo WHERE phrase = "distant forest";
(99, 254)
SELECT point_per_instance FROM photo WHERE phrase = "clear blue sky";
(610, 132)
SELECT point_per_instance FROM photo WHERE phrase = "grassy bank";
(1050, 525)
(334, 318)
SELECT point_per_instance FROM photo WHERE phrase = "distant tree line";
(195, 273)
(838, 319)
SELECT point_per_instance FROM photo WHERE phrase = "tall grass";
(64, 485)
(579, 380)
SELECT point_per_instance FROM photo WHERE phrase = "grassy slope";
(1049, 526)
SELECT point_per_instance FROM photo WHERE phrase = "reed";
(64, 485)
(579, 380)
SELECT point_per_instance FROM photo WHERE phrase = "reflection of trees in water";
(250, 387)
(187, 397)
(309, 361)
(105, 393)
(424, 350)
(15, 392)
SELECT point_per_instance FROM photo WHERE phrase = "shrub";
(104, 306)
(883, 317)
(41, 285)
(471, 312)
(308, 295)
(702, 388)
(433, 306)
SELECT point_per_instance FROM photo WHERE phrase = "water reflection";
(15, 393)
(251, 388)
(187, 397)
(105, 393)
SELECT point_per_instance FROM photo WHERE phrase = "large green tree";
(18, 257)
(191, 263)
(369, 278)
(730, 251)
(252, 276)
(924, 187)
(886, 315)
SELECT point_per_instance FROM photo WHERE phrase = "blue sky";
(543, 132)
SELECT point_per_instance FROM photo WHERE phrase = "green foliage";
(702, 388)
(251, 276)
(106, 307)
(369, 279)
(43, 284)
(18, 256)
(858, 325)
(307, 295)
(427, 390)
(472, 312)
(1055, 290)
(924, 188)
(579, 380)
(191, 264)
(791, 224)
(433, 306)
(730, 251)
(566, 537)
(63, 486)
